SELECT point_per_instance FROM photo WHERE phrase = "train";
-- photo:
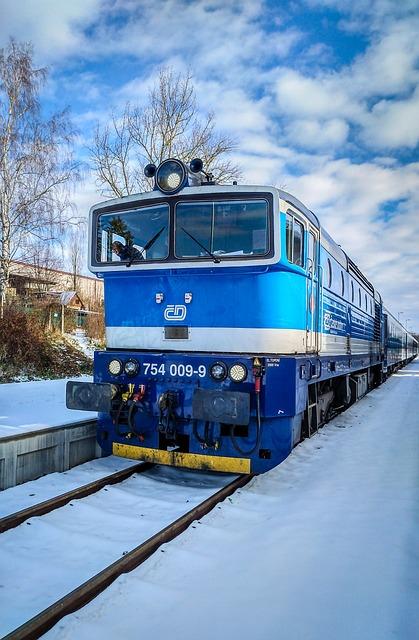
(235, 325)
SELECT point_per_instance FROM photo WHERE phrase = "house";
(27, 279)
(52, 292)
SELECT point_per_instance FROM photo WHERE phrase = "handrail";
(319, 332)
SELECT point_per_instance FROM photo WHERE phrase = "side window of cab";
(295, 240)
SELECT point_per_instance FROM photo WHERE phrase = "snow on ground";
(54, 484)
(28, 406)
(82, 342)
(48, 556)
(325, 546)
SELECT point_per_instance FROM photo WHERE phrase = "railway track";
(88, 590)
(14, 519)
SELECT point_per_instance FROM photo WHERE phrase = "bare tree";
(76, 241)
(36, 164)
(44, 260)
(168, 126)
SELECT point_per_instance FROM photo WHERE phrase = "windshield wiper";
(145, 248)
(212, 255)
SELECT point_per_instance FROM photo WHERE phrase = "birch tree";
(76, 259)
(44, 260)
(169, 125)
(36, 163)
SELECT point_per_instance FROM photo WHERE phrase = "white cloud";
(389, 65)
(303, 96)
(314, 134)
(393, 123)
(55, 28)
(375, 94)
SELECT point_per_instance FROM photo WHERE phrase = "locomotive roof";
(288, 197)
(326, 240)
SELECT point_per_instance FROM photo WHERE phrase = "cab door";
(313, 290)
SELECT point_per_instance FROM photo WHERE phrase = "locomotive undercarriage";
(328, 398)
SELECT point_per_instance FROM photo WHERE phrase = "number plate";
(176, 333)
(174, 370)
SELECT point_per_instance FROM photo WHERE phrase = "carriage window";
(359, 297)
(342, 278)
(226, 228)
(352, 291)
(366, 303)
(295, 240)
(140, 234)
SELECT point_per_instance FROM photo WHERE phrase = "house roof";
(65, 273)
(65, 298)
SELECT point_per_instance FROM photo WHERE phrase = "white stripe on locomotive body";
(331, 344)
(359, 347)
(210, 339)
(233, 340)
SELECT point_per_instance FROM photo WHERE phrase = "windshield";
(131, 236)
(224, 228)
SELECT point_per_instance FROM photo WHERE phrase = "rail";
(83, 594)
(15, 519)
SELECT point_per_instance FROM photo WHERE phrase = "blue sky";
(322, 97)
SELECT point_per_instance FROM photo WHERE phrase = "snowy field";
(325, 546)
(28, 406)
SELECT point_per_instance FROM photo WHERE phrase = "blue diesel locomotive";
(235, 325)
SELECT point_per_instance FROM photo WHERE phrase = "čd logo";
(175, 312)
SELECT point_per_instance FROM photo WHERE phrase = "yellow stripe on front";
(178, 459)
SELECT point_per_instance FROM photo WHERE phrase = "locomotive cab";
(193, 314)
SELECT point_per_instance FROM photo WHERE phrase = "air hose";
(257, 373)
(215, 444)
(136, 404)
(168, 418)
(258, 433)
(118, 417)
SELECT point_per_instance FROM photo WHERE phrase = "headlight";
(218, 371)
(170, 176)
(131, 367)
(115, 367)
(238, 372)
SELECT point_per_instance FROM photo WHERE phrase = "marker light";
(238, 372)
(150, 170)
(115, 367)
(131, 367)
(171, 176)
(218, 371)
(196, 165)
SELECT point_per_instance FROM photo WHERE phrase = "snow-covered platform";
(324, 546)
(31, 406)
(27, 456)
(37, 435)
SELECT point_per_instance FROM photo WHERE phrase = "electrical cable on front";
(258, 433)
(215, 444)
